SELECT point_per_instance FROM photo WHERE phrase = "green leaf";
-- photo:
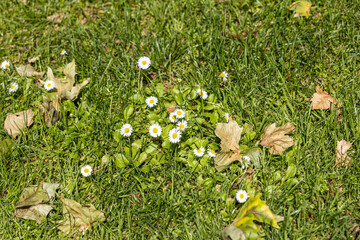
(301, 8)
(121, 161)
(6, 147)
(254, 155)
(117, 135)
(128, 112)
(135, 147)
(290, 172)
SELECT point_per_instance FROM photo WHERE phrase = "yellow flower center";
(179, 113)
(226, 117)
(174, 135)
(86, 170)
(49, 84)
(173, 117)
(222, 75)
(62, 51)
(242, 196)
(212, 151)
(6, 65)
(155, 130)
(127, 130)
(12, 86)
(199, 151)
(200, 93)
(143, 62)
(182, 126)
(151, 101)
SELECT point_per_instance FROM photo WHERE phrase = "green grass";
(274, 60)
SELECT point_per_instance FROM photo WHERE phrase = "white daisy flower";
(226, 116)
(155, 130)
(199, 152)
(13, 87)
(49, 85)
(86, 170)
(172, 117)
(211, 153)
(241, 196)
(180, 113)
(151, 101)
(202, 93)
(174, 135)
(126, 130)
(5, 64)
(144, 62)
(224, 76)
(63, 52)
(247, 158)
(182, 125)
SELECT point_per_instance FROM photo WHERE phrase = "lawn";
(147, 187)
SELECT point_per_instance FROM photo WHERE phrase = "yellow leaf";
(301, 8)
(275, 138)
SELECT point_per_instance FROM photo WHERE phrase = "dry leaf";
(171, 109)
(56, 18)
(16, 122)
(275, 138)
(301, 8)
(321, 99)
(77, 217)
(341, 155)
(31, 60)
(50, 109)
(83, 21)
(28, 71)
(65, 86)
(230, 134)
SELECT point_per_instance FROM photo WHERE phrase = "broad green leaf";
(117, 135)
(128, 112)
(301, 8)
(254, 155)
(151, 149)
(135, 147)
(6, 147)
(121, 161)
(290, 172)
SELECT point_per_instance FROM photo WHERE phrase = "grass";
(274, 60)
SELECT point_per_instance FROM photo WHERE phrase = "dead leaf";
(301, 8)
(83, 21)
(16, 122)
(171, 109)
(341, 155)
(321, 99)
(28, 71)
(65, 86)
(31, 60)
(56, 18)
(77, 217)
(230, 134)
(275, 138)
(50, 109)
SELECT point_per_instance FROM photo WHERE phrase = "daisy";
(174, 135)
(144, 62)
(182, 125)
(199, 152)
(180, 113)
(211, 153)
(5, 64)
(13, 87)
(86, 170)
(226, 116)
(224, 76)
(247, 158)
(151, 101)
(126, 130)
(172, 117)
(241, 196)
(63, 52)
(49, 85)
(155, 130)
(202, 93)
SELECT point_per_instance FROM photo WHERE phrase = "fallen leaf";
(230, 134)
(31, 60)
(171, 109)
(50, 109)
(83, 21)
(275, 138)
(321, 99)
(354, 231)
(56, 18)
(301, 8)
(77, 217)
(65, 86)
(341, 155)
(244, 227)
(16, 122)
(28, 71)
(31, 203)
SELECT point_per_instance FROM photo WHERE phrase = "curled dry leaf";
(56, 18)
(77, 217)
(50, 109)
(230, 134)
(301, 8)
(31, 60)
(321, 99)
(28, 71)
(275, 138)
(16, 122)
(341, 155)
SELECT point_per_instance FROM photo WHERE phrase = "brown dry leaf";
(230, 134)
(31, 60)
(275, 138)
(16, 122)
(50, 109)
(56, 18)
(65, 86)
(77, 217)
(341, 155)
(171, 109)
(28, 71)
(321, 99)
(83, 21)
